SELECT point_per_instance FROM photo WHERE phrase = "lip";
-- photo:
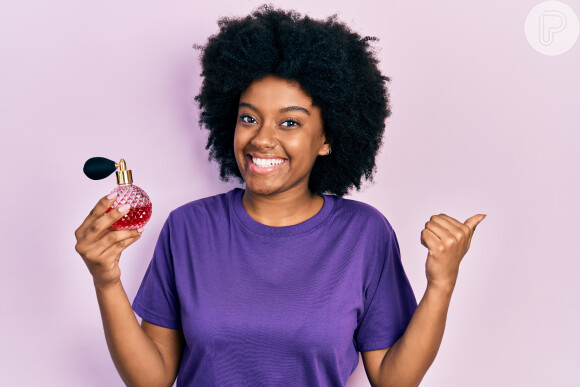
(265, 156)
(262, 171)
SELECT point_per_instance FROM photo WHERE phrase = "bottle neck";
(124, 177)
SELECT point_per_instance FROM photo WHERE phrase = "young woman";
(282, 282)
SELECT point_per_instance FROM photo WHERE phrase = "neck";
(283, 209)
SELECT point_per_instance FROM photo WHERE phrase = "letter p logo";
(552, 28)
(551, 22)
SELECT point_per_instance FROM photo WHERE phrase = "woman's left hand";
(448, 241)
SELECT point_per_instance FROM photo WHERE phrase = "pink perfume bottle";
(127, 193)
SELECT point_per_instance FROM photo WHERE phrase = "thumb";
(474, 221)
(472, 224)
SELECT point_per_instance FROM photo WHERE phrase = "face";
(279, 134)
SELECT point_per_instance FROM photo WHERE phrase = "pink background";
(482, 123)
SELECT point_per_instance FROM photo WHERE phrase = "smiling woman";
(333, 66)
(283, 282)
(278, 136)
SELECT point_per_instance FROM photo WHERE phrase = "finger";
(450, 220)
(111, 238)
(472, 224)
(106, 221)
(459, 230)
(98, 210)
(117, 248)
(429, 239)
(474, 221)
(438, 229)
(103, 205)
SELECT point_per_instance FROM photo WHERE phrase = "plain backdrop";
(481, 123)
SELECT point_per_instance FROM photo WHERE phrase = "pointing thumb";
(474, 221)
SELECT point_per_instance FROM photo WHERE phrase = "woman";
(283, 282)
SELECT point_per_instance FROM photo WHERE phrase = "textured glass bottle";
(141, 206)
(136, 197)
(98, 168)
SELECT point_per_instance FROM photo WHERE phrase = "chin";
(260, 189)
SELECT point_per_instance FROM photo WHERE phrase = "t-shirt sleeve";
(157, 301)
(389, 300)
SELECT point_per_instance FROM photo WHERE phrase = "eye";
(290, 123)
(247, 119)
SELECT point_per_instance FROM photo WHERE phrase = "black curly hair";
(333, 65)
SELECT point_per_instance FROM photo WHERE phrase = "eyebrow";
(286, 109)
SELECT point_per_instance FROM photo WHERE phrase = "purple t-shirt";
(272, 306)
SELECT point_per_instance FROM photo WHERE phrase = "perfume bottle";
(97, 168)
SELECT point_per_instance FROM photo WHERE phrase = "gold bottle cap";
(124, 176)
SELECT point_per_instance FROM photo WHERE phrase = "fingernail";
(124, 208)
(112, 195)
(140, 229)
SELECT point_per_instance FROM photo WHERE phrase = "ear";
(323, 151)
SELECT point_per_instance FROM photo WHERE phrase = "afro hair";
(332, 64)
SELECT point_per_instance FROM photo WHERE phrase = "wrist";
(440, 289)
(106, 286)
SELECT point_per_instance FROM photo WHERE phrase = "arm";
(144, 355)
(406, 362)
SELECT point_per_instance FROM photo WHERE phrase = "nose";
(265, 136)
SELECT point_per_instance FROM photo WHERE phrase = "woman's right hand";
(100, 245)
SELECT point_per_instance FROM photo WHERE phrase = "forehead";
(277, 92)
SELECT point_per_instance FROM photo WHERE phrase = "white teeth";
(266, 162)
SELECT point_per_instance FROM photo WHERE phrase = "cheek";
(237, 140)
(239, 144)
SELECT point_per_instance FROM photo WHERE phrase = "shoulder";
(361, 214)
(203, 204)
(201, 211)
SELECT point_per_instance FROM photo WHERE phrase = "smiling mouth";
(265, 165)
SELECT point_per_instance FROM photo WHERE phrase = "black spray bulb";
(98, 168)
